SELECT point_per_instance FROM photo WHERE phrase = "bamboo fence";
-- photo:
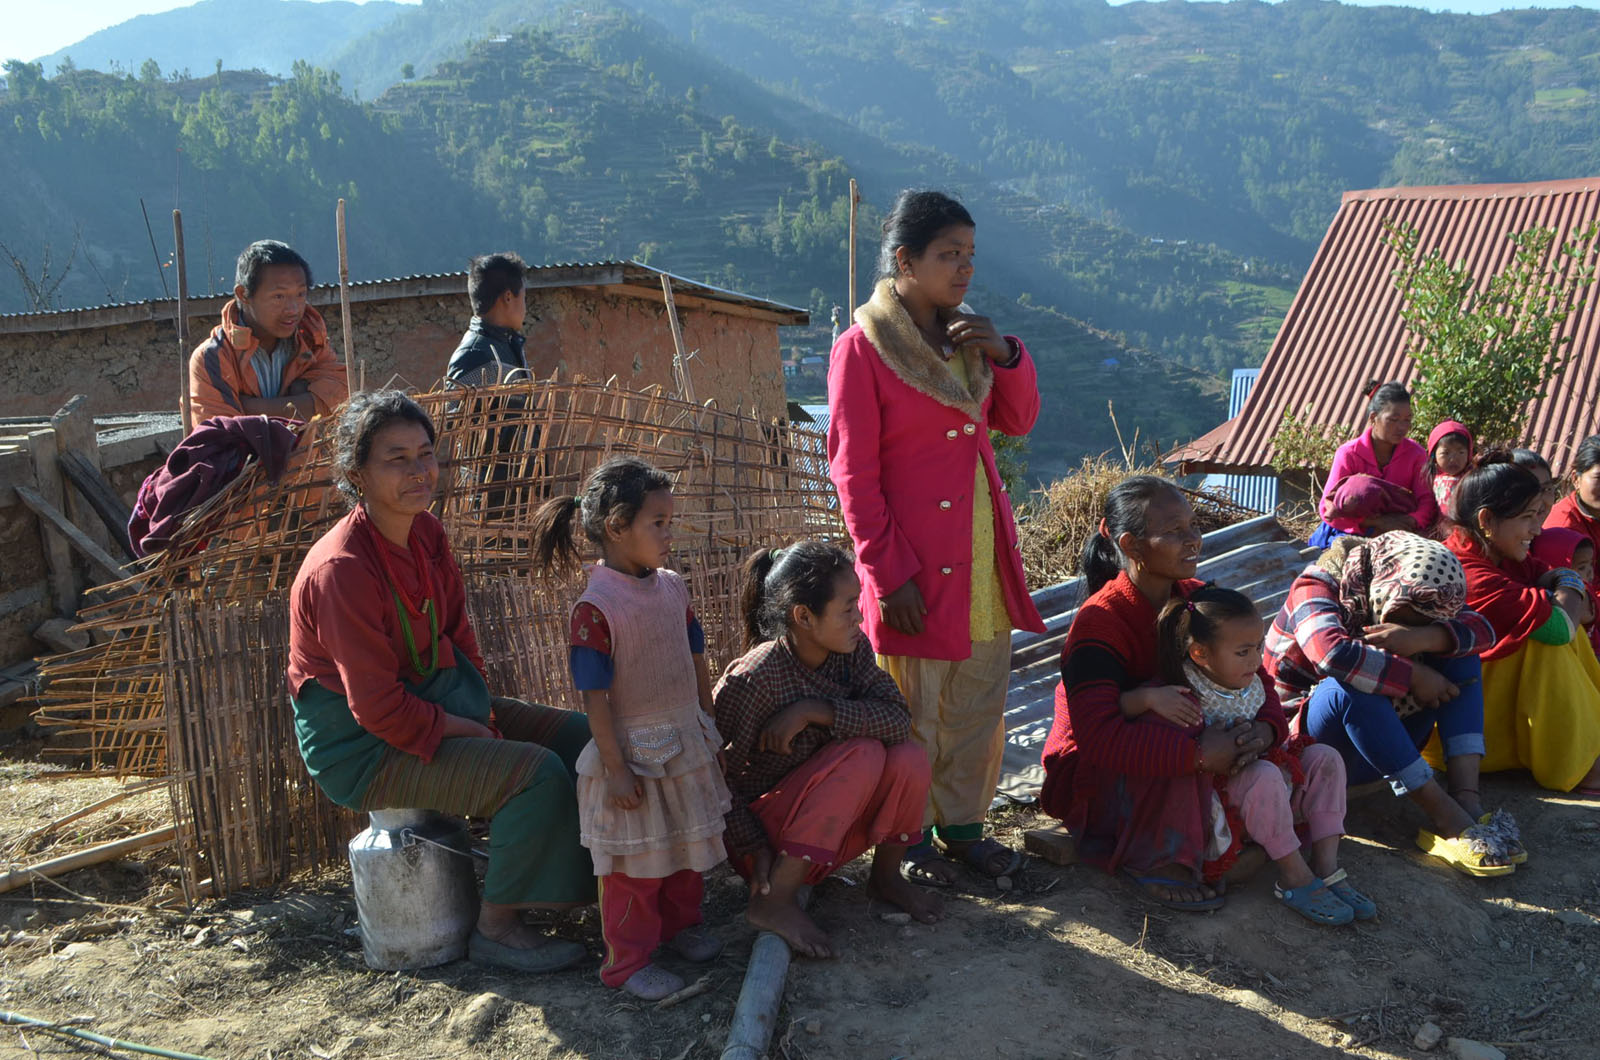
(186, 680)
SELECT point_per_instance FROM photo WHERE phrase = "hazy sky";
(33, 29)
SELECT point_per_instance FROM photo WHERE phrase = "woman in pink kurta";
(913, 390)
(1379, 481)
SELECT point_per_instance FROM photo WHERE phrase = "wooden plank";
(181, 320)
(75, 429)
(88, 481)
(49, 487)
(1055, 844)
(78, 539)
(680, 360)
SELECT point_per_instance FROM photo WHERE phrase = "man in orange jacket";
(270, 355)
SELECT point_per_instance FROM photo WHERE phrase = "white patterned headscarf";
(1378, 576)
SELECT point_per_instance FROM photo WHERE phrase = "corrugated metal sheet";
(1344, 328)
(561, 274)
(1259, 493)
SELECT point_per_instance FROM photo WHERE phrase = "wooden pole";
(855, 201)
(344, 285)
(183, 323)
(680, 359)
(84, 858)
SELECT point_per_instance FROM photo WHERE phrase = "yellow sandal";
(1464, 853)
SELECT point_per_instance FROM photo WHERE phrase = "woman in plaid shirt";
(819, 756)
(1376, 650)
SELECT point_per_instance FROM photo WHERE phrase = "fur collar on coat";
(907, 354)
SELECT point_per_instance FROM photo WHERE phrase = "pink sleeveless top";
(667, 740)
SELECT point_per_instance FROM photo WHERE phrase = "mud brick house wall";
(594, 320)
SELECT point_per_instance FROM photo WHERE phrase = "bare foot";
(921, 903)
(788, 921)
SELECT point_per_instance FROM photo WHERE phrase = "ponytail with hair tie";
(770, 593)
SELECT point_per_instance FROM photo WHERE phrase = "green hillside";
(1150, 179)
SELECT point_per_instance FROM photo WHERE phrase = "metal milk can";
(416, 894)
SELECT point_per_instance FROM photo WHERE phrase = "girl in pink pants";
(1210, 648)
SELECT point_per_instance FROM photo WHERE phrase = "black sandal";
(914, 867)
(982, 854)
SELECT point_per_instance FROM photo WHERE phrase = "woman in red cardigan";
(1136, 791)
(1541, 683)
(388, 687)
(913, 391)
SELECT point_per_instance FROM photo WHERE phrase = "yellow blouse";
(989, 618)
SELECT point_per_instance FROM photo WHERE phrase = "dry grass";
(1055, 522)
(1300, 519)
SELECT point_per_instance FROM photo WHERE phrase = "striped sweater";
(1311, 639)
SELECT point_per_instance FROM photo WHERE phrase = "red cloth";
(1360, 498)
(1407, 468)
(843, 801)
(1555, 546)
(344, 628)
(1127, 789)
(202, 465)
(636, 916)
(1505, 594)
(903, 464)
(1568, 514)
(1443, 430)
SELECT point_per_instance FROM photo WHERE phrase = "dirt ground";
(1067, 963)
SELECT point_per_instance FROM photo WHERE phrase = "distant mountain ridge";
(266, 35)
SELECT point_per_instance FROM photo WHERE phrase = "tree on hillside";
(1484, 351)
(40, 284)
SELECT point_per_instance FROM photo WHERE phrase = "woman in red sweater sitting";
(1136, 791)
(1541, 683)
(390, 704)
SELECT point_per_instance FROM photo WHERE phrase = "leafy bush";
(1484, 351)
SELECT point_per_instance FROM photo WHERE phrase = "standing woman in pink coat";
(914, 388)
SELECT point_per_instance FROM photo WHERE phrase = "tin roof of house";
(631, 277)
(1344, 327)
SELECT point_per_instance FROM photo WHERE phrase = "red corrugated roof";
(1344, 328)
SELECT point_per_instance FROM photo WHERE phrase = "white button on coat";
(970, 428)
(944, 570)
(951, 434)
(945, 505)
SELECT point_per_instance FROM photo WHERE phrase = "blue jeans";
(1376, 742)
